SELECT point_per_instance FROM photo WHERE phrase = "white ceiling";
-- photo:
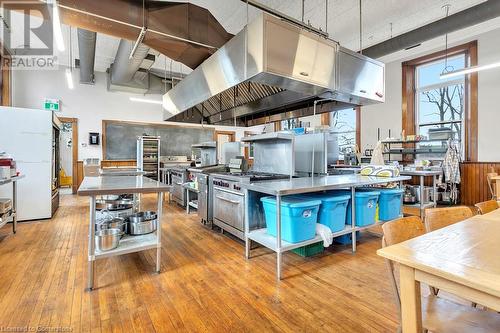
(343, 21)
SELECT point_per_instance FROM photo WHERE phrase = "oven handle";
(228, 191)
(227, 200)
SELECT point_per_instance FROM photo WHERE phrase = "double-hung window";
(440, 103)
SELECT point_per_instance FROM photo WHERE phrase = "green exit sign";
(52, 104)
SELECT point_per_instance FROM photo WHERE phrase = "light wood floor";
(205, 284)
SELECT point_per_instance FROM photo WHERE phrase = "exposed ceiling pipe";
(124, 69)
(86, 49)
(182, 31)
(474, 15)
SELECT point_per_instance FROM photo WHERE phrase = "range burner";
(254, 176)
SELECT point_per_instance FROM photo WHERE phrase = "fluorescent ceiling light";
(469, 70)
(69, 78)
(144, 100)
(137, 42)
(56, 26)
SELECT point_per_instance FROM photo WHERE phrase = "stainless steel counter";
(12, 217)
(316, 184)
(92, 186)
(102, 185)
(425, 173)
(253, 210)
(422, 205)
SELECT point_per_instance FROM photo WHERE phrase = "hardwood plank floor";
(205, 285)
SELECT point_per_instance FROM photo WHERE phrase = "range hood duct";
(133, 75)
(272, 64)
(86, 50)
(124, 69)
(474, 15)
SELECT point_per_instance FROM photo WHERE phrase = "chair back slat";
(437, 218)
(486, 206)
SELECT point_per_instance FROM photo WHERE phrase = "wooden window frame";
(471, 94)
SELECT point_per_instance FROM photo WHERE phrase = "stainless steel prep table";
(94, 186)
(281, 188)
(13, 212)
(422, 174)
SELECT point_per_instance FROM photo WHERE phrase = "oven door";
(229, 207)
(177, 191)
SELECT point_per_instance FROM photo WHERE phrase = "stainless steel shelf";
(262, 237)
(413, 141)
(417, 205)
(445, 122)
(10, 180)
(130, 244)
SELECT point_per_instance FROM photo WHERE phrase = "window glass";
(440, 102)
(343, 123)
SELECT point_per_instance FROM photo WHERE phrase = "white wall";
(389, 115)
(90, 104)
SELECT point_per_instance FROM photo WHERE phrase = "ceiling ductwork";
(132, 74)
(273, 66)
(86, 49)
(182, 31)
(466, 18)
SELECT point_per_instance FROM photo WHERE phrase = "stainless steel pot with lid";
(112, 222)
(142, 223)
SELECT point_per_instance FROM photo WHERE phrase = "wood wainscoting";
(474, 187)
(117, 163)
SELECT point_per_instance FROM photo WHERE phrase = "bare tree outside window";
(440, 102)
(343, 123)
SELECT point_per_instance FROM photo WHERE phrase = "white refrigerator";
(27, 136)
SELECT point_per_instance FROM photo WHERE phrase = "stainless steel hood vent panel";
(283, 64)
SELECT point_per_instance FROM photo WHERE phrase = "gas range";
(229, 198)
(247, 177)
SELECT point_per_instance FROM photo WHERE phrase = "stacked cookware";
(117, 219)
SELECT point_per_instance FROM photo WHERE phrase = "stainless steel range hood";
(269, 67)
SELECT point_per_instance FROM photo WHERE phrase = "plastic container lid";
(292, 202)
(366, 194)
(327, 197)
(391, 191)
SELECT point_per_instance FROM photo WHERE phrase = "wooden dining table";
(462, 259)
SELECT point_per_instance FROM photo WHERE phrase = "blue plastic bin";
(389, 204)
(298, 218)
(366, 208)
(333, 209)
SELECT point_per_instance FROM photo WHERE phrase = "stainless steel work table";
(422, 174)
(13, 212)
(94, 186)
(279, 188)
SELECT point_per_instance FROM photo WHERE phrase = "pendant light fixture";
(69, 70)
(447, 69)
(446, 74)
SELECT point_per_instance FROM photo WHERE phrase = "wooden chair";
(486, 206)
(438, 314)
(491, 184)
(437, 218)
